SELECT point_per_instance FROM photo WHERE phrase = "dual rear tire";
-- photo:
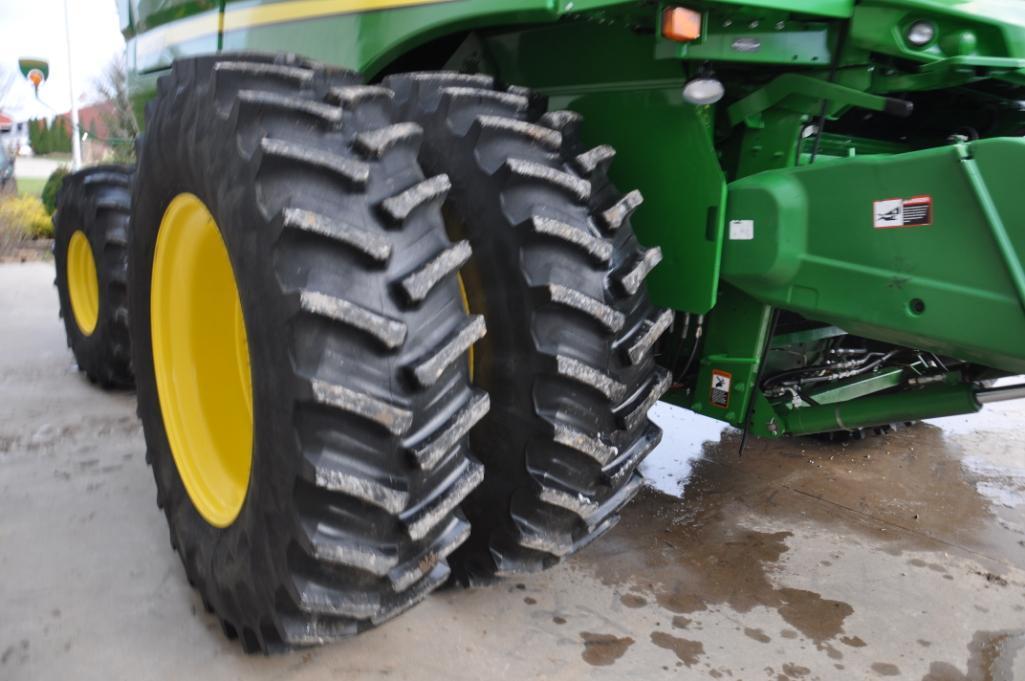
(302, 321)
(558, 274)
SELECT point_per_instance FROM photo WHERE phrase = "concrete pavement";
(900, 557)
(27, 167)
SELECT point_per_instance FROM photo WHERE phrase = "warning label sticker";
(721, 382)
(913, 212)
(742, 230)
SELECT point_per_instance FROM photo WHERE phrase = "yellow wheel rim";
(201, 360)
(83, 286)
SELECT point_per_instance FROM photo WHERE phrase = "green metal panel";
(665, 150)
(807, 47)
(149, 14)
(156, 50)
(755, 36)
(367, 40)
(165, 30)
(948, 287)
(663, 145)
(575, 57)
(994, 28)
(734, 340)
(806, 337)
(832, 147)
(374, 29)
(359, 34)
(823, 8)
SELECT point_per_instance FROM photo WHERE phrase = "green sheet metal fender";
(359, 34)
(161, 30)
(167, 29)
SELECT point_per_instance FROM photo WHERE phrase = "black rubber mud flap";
(558, 274)
(357, 343)
(96, 201)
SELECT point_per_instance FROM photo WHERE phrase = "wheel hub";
(201, 360)
(83, 286)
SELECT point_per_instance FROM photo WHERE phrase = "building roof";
(93, 119)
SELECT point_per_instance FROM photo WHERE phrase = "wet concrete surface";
(899, 557)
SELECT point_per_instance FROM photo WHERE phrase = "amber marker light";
(680, 24)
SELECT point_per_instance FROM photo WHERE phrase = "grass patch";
(33, 186)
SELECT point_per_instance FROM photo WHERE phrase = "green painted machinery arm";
(803, 94)
(922, 249)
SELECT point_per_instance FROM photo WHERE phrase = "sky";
(35, 28)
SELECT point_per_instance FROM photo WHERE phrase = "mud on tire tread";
(558, 273)
(97, 201)
(344, 525)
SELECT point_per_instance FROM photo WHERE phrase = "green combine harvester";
(396, 309)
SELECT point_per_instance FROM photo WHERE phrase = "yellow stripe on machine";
(212, 23)
(296, 10)
(182, 31)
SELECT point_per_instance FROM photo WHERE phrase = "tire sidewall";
(199, 166)
(76, 211)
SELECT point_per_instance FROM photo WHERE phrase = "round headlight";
(703, 90)
(921, 33)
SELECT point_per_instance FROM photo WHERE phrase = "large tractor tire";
(91, 256)
(558, 274)
(300, 348)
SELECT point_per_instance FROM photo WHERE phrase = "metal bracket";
(805, 94)
(947, 73)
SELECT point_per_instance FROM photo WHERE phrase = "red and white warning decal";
(913, 212)
(720, 394)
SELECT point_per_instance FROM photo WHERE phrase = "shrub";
(25, 215)
(52, 186)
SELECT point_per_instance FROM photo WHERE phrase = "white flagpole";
(76, 137)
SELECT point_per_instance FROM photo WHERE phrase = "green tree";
(60, 136)
(38, 136)
(46, 138)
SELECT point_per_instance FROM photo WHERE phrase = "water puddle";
(602, 650)
(1001, 483)
(692, 556)
(687, 651)
(684, 435)
(693, 541)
